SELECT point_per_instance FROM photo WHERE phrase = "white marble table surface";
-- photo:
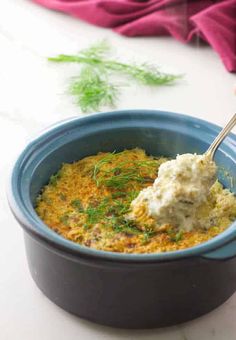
(32, 97)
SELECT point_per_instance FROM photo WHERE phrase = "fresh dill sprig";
(99, 164)
(99, 50)
(121, 180)
(64, 219)
(93, 89)
(174, 235)
(119, 176)
(144, 73)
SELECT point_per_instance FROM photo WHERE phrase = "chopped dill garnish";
(179, 236)
(120, 176)
(118, 194)
(131, 195)
(119, 207)
(147, 235)
(125, 226)
(54, 178)
(93, 89)
(120, 179)
(77, 205)
(175, 236)
(64, 219)
(112, 214)
(99, 164)
(153, 163)
(96, 213)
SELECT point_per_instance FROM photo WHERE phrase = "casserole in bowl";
(124, 290)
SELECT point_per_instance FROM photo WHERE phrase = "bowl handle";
(223, 253)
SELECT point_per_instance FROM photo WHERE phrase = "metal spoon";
(221, 136)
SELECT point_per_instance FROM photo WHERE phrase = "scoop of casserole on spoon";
(182, 185)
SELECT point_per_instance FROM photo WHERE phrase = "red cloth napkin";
(213, 21)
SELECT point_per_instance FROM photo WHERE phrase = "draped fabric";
(212, 21)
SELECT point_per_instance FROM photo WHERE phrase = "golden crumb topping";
(88, 202)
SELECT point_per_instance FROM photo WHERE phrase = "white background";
(32, 97)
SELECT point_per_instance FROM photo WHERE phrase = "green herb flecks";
(97, 213)
(94, 86)
(99, 164)
(147, 235)
(131, 195)
(111, 213)
(112, 210)
(120, 180)
(127, 227)
(76, 204)
(120, 176)
(54, 178)
(64, 219)
(119, 207)
(118, 194)
(175, 236)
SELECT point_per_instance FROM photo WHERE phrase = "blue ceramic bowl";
(159, 133)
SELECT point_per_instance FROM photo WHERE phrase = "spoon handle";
(221, 136)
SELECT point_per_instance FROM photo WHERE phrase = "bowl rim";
(32, 224)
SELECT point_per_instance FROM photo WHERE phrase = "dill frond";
(175, 236)
(127, 227)
(120, 181)
(144, 73)
(99, 50)
(92, 90)
(99, 164)
(92, 87)
(119, 176)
